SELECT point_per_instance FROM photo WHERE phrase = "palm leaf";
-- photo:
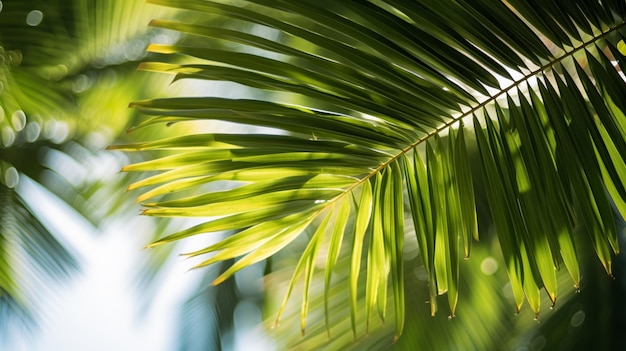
(206, 317)
(583, 320)
(31, 258)
(65, 69)
(387, 95)
(485, 320)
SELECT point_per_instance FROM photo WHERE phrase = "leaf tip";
(152, 245)
(152, 47)
(274, 324)
(552, 297)
(141, 198)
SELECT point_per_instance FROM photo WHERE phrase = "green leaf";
(436, 183)
(506, 234)
(419, 197)
(265, 250)
(362, 222)
(333, 251)
(358, 94)
(396, 245)
(463, 175)
(375, 256)
(454, 225)
(306, 263)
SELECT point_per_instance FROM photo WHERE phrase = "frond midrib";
(473, 110)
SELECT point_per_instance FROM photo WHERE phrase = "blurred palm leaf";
(67, 73)
(206, 317)
(30, 259)
(375, 102)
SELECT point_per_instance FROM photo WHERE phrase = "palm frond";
(207, 315)
(66, 67)
(53, 71)
(31, 258)
(485, 320)
(589, 318)
(381, 100)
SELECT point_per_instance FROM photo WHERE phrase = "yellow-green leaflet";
(333, 251)
(362, 223)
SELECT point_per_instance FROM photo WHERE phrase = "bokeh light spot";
(8, 136)
(489, 266)
(15, 57)
(18, 119)
(11, 177)
(32, 131)
(577, 319)
(34, 18)
(56, 131)
(81, 83)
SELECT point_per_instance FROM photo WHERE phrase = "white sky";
(99, 309)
